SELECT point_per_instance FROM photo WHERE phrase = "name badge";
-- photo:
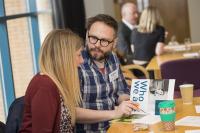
(113, 76)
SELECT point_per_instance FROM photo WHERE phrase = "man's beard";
(95, 57)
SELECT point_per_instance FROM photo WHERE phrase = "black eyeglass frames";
(103, 42)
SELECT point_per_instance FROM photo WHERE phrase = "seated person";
(129, 15)
(148, 39)
(102, 84)
(53, 94)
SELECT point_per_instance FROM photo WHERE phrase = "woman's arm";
(93, 116)
(159, 48)
(160, 44)
(44, 107)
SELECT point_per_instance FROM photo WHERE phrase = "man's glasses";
(103, 42)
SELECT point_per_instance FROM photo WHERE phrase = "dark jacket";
(124, 44)
(2, 127)
(15, 115)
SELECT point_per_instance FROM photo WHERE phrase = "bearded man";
(103, 86)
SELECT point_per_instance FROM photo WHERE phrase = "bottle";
(173, 41)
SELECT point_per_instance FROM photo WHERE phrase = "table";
(154, 64)
(181, 110)
(156, 61)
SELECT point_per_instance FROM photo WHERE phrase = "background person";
(53, 94)
(129, 15)
(148, 39)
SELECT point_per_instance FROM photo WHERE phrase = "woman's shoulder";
(160, 28)
(43, 79)
(43, 83)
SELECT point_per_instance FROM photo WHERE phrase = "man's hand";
(124, 109)
(123, 97)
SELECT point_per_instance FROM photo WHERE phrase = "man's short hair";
(125, 6)
(106, 19)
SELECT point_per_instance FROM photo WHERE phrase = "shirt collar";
(130, 26)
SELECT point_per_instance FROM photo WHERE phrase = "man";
(102, 83)
(129, 15)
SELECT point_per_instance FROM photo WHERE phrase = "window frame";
(6, 75)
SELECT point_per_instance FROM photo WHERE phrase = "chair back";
(127, 71)
(136, 67)
(2, 127)
(183, 71)
(15, 116)
(128, 75)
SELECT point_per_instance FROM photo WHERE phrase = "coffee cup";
(167, 114)
(187, 93)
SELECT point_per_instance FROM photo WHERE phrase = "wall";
(174, 25)
(94, 7)
(193, 8)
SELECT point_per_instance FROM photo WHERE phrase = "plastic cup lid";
(166, 104)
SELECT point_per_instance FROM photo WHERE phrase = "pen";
(137, 107)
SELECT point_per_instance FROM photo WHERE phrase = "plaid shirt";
(98, 91)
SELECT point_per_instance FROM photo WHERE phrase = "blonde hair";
(149, 19)
(57, 60)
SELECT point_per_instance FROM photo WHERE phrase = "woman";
(148, 39)
(53, 94)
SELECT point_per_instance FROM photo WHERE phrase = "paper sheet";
(189, 121)
(179, 48)
(149, 119)
(192, 131)
(197, 107)
(194, 54)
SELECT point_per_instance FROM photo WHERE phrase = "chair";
(15, 116)
(183, 71)
(2, 127)
(127, 71)
(128, 75)
(136, 67)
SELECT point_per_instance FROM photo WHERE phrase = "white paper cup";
(187, 93)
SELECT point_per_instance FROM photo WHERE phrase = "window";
(20, 53)
(23, 26)
(44, 6)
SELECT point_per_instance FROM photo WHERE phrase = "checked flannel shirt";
(98, 91)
